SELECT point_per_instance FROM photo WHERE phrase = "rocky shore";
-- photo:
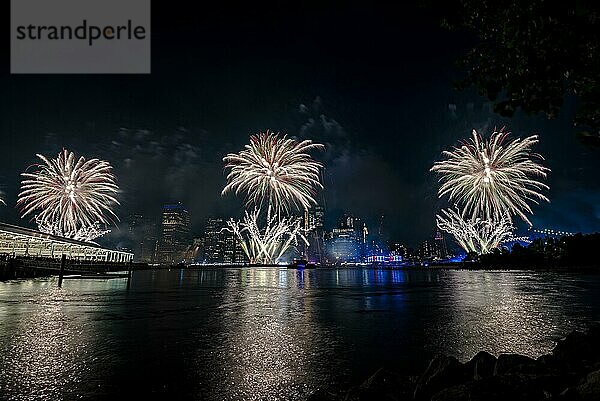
(570, 372)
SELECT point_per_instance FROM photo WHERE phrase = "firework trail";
(266, 246)
(69, 196)
(475, 235)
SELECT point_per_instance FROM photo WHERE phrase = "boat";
(301, 264)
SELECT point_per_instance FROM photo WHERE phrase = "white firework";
(475, 234)
(493, 177)
(275, 170)
(87, 234)
(70, 197)
(266, 246)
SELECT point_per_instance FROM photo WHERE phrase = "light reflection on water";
(518, 312)
(268, 333)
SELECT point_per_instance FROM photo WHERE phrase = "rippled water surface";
(267, 333)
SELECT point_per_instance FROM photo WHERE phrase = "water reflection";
(47, 346)
(268, 333)
(506, 312)
(271, 347)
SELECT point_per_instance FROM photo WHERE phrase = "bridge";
(24, 242)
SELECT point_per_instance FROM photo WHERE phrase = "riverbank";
(570, 372)
(27, 269)
(446, 266)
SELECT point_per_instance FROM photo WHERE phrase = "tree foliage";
(531, 54)
(570, 251)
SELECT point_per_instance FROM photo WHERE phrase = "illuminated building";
(344, 246)
(313, 222)
(440, 249)
(314, 218)
(426, 250)
(348, 241)
(213, 241)
(221, 245)
(434, 248)
(398, 249)
(384, 259)
(175, 233)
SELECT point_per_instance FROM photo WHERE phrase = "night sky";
(374, 83)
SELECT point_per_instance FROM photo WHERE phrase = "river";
(268, 333)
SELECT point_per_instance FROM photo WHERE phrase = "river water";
(268, 333)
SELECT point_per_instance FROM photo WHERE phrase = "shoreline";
(590, 268)
(571, 371)
(24, 271)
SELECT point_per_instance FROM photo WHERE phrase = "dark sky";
(372, 82)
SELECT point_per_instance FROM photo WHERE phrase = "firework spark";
(493, 177)
(275, 170)
(69, 196)
(475, 234)
(266, 246)
(87, 234)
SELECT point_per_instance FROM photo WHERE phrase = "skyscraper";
(213, 240)
(348, 241)
(175, 237)
(434, 248)
(440, 247)
(221, 245)
(313, 223)
(426, 250)
(142, 234)
(313, 218)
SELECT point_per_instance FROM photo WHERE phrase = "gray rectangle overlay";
(80, 37)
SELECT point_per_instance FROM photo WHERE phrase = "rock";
(552, 384)
(570, 373)
(589, 389)
(578, 351)
(460, 392)
(442, 372)
(323, 395)
(515, 363)
(569, 394)
(549, 362)
(594, 331)
(385, 385)
(495, 388)
(482, 365)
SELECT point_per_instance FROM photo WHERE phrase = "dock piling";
(63, 261)
(129, 274)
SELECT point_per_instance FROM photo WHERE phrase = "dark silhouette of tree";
(580, 250)
(531, 54)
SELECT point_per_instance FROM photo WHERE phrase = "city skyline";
(300, 201)
(347, 240)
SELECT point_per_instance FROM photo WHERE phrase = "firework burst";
(69, 196)
(275, 170)
(268, 245)
(474, 234)
(493, 177)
